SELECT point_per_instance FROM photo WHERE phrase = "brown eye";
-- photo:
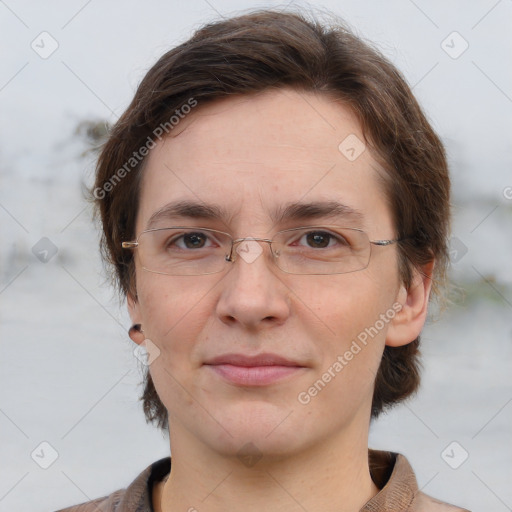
(318, 239)
(188, 240)
(194, 240)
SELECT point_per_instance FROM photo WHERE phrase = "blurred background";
(71, 425)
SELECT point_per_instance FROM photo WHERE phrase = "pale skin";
(250, 155)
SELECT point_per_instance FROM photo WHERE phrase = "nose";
(253, 293)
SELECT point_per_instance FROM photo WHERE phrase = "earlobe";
(135, 332)
(407, 324)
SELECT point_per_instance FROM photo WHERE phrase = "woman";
(275, 207)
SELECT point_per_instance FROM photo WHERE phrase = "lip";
(264, 359)
(259, 370)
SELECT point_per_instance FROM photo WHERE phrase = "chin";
(249, 447)
(260, 427)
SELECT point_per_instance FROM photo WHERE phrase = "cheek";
(173, 314)
(345, 304)
(349, 333)
(348, 318)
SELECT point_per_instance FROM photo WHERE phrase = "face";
(250, 156)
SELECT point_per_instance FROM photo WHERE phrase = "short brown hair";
(270, 49)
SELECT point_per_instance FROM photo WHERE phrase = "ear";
(136, 334)
(407, 324)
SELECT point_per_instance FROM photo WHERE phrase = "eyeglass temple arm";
(385, 242)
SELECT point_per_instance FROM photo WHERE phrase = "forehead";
(253, 155)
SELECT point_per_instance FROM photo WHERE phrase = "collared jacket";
(391, 472)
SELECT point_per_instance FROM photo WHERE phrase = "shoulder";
(106, 504)
(398, 486)
(137, 497)
(425, 503)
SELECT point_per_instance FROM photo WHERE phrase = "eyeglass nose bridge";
(237, 241)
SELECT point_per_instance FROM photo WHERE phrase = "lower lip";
(253, 375)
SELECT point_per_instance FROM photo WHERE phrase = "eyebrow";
(329, 209)
(316, 210)
(186, 209)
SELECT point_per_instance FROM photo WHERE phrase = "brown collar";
(390, 471)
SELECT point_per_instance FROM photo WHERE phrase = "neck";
(330, 476)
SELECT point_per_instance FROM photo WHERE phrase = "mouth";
(260, 370)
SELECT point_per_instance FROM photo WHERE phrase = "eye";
(322, 239)
(191, 240)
